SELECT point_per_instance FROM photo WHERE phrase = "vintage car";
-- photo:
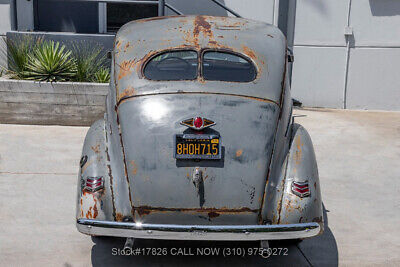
(198, 140)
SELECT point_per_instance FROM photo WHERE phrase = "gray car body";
(263, 153)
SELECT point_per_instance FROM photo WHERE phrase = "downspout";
(348, 33)
(275, 14)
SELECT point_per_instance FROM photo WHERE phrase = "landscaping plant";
(32, 58)
(17, 51)
(102, 75)
(90, 59)
(50, 62)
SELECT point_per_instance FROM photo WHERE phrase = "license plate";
(197, 146)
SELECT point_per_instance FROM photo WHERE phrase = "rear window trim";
(248, 59)
(200, 55)
(158, 53)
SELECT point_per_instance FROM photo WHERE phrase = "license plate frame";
(198, 139)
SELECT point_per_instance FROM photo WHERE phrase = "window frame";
(227, 51)
(200, 56)
(168, 51)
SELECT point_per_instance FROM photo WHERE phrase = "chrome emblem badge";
(198, 123)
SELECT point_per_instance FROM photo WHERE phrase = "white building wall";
(357, 72)
(5, 26)
(374, 61)
(5, 22)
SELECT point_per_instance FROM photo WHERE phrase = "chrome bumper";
(198, 232)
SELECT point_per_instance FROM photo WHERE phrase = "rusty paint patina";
(263, 152)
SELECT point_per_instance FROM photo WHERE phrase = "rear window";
(222, 66)
(174, 65)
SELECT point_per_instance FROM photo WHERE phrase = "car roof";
(139, 40)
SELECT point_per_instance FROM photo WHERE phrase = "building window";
(119, 14)
(88, 17)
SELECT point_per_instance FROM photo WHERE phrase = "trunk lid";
(160, 184)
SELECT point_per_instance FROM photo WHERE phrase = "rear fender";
(301, 167)
(94, 162)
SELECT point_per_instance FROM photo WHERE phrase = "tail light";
(301, 189)
(94, 184)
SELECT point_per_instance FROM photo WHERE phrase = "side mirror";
(290, 55)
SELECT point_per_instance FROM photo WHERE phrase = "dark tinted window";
(118, 14)
(174, 65)
(220, 66)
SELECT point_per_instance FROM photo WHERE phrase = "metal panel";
(376, 22)
(373, 82)
(5, 21)
(233, 184)
(320, 22)
(25, 17)
(262, 10)
(318, 75)
(138, 41)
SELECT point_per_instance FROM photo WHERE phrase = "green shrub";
(90, 59)
(102, 75)
(32, 58)
(17, 51)
(50, 62)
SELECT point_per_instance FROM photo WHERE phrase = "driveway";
(358, 154)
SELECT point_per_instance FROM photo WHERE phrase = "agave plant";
(50, 62)
(90, 59)
(102, 75)
(17, 51)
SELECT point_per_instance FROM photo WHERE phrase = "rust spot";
(134, 167)
(213, 214)
(127, 92)
(95, 210)
(248, 51)
(119, 217)
(111, 179)
(128, 47)
(274, 218)
(239, 153)
(89, 213)
(96, 149)
(144, 210)
(126, 67)
(298, 153)
(200, 25)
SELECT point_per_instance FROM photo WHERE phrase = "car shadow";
(321, 250)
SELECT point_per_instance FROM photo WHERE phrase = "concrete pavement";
(358, 154)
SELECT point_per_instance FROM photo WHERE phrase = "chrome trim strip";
(198, 232)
